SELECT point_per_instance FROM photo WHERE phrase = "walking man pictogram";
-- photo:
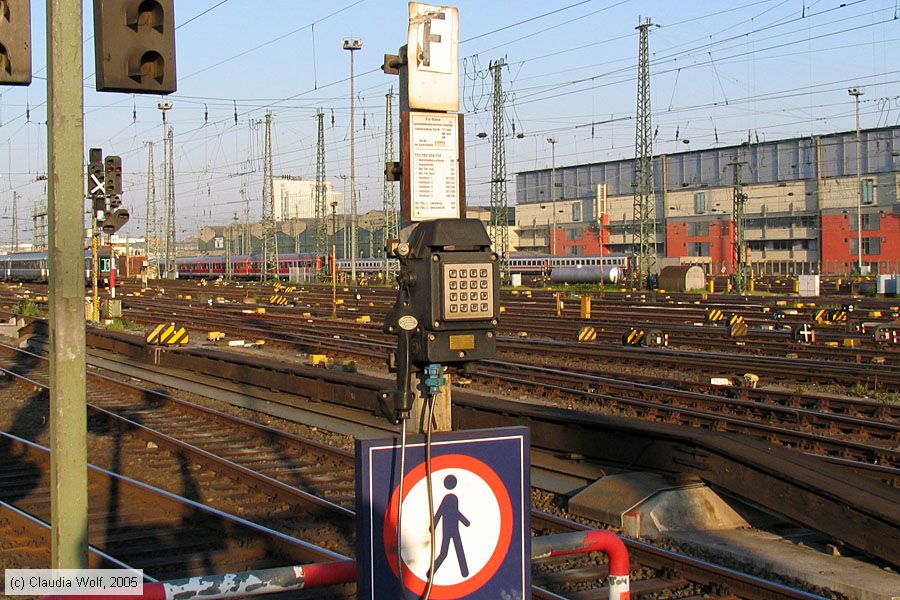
(449, 513)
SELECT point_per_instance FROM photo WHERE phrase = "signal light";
(15, 42)
(113, 177)
(135, 46)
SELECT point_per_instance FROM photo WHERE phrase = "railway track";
(746, 468)
(660, 582)
(146, 528)
(870, 435)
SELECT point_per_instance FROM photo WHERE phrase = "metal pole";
(353, 207)
(856, 93)
(150, 228)
(346, 239)
(353, 44)
(553, 141)
(68, 408)
(15, 223)
(95, 273)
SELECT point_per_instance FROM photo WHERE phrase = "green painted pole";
(65, 160)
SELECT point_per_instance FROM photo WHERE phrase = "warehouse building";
(800, 214)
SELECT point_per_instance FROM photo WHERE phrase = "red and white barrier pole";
(234, 585)
(112, 282)
(582, 542)
(285, 579)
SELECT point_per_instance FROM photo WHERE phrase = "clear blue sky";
(774, 68)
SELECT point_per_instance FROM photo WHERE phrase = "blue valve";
(435, 379)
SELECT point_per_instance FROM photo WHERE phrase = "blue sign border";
(505, 450)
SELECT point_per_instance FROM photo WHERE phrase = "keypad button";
(463, 285)
(452, 272)
(473, 307)
(453, 285)
(484, 285)
(473, 272)
(453, 308)
(484, 307)
(464, 307)
(484, 296)
(453, 297)
(484, 272)
(464, 296)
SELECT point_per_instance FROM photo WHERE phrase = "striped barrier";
(714, 314)
(738, 329)
(168, 334)
(587, 334)
(734, 319)
(278, 300)
(634, 337)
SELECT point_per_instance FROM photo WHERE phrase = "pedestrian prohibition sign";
(480, 501)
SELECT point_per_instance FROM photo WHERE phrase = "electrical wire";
(428, 484)
(400, 506)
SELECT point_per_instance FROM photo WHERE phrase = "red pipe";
(593, 540)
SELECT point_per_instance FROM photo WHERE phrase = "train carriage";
(35, 266)
(248, 267)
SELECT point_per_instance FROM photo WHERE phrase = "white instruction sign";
(434, 177)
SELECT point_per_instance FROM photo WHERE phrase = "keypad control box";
(468, 291)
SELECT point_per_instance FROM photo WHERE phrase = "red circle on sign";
(470, 585)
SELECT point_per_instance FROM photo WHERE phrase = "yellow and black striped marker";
(738, 329)
(839, 315)
(822, 316)
(734, 320)
(587, 334)
(635, 337)
(278, 300)
(714, 314)
(168, 334)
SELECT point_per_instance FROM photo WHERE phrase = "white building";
(295, 198)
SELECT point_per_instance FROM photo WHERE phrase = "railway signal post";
(68, 408)
(445, 316)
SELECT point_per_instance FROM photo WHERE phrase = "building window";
(574, 250)
(872, 245)
(576, 234)
(698, 249)
(698, 229)
(576, 212)
(868, 191)
(699, 203)
(871, 221)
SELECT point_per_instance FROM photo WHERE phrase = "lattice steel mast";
(321, 239)
(740, 244)
(150, 230)
(171, 252)
(499, 209)
(269, 263)
(389, 202)
(643, 241)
